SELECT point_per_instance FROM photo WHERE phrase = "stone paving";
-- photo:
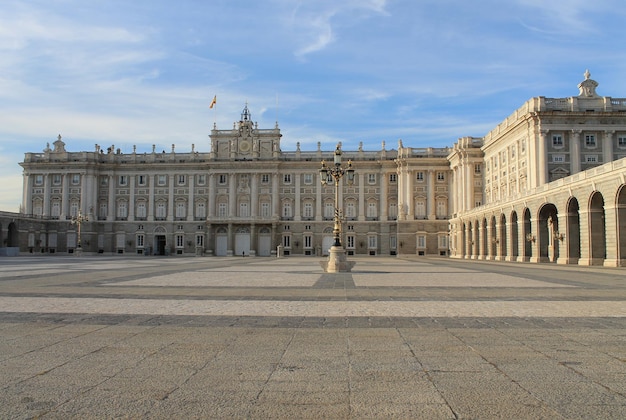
(118, 337)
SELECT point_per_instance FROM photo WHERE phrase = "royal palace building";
(547, 184)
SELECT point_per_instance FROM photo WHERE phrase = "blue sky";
(143, 72)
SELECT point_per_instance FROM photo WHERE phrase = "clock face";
(244, 146)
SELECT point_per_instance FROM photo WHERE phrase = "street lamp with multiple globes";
(78, 221)
(329, 174)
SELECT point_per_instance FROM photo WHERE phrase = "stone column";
(563, 244)
(275, 197)
(27, 195)
(170, 198)
(254, 197)
(131, 200)
(111, 206)
(410, 193)
(151, 203)
(46, 195)
(610, 236)
(575, 151)
(318, 198)
(232, 197)
(534, 230)
(430, 201)
(542, 158)
(191, 205)
(383, 197)
(607, 146)
(297, 211)
(491, 235)
(361, 196)
(211, 201)
(585, 237)
(401, 193)
(65, 200)
(468, 241)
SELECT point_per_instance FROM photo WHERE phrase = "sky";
(143, 72)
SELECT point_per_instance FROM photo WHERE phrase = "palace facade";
(547, 184)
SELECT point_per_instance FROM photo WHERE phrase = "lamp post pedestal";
(337, 261)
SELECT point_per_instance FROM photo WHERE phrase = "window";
(307, 227)
(308, 210)
(329, 211)
(244, 210)
(265, 178)
(123, 180)
(56, 179)
(420, 209)
(393, 211)
(141, 180)
(139, 227)
(75, 179)
(442, 208)
(287, 210)
(201, 210)
(477, 168)
(222, 210)
(308, 241)
(621, 141)
(38, 179)
(421, 241)
(558, 158)
(180, 241)
(557, 140)
(287, 241)
(181, 179)
(222, 179)
(393, 178)
(308, 179)
(591, 158)
(372, 242)
(590, 140)
(393, 242)
(180, 210)
(265, 210)
(140, 239)
(56, 209)
(350, 241)
(141, 209)
(200, 240)
(122, 210)
(350, 209)
(419, 176)
(287, 179)
(202, 179)
(441, 176)
(372, 210)
(103, 211)
(104, 181)
(161, 211)
(443, 241)
(371, 178)
(162, 180)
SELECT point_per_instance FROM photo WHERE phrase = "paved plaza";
(427, 338)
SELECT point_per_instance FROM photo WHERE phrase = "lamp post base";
(337, 262)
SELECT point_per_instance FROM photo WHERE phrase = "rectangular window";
(287, 241)
(287, 210)
(202, 179)
(591, 158)
(421, 241)
(265, 210)
(201, 210)
(56, 179)
(104, 181)
(350, 241)
(222, 210)
(419, 176)
(308, 179)
(181, 179)
(180, 210)
(244, 210)
(308, 210)
(265, 178)
(141, 210)
(590, 140)
(141, 180)
(287, 179)
(180, 241)
(441, 176)
(558, 158)
(200, 240)
(140, 239)
(329, 211)
(38, 179)
(162, 180)
(477, 168)
(621, 141)
(350, 210)
(557, 140)
(308, 241)
(372, 242)
(122, 210)
(75, 179)
(372, 210)
(393, 178)
(371, 178)
(123, 180)
(443, 241)
(161, 211)
(221, 179)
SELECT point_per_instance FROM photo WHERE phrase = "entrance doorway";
(159, 244)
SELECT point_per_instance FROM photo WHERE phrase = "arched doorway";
(548, 225)
(493, 240)
(572, 231)
(502, 238)
(265, 242)
(221, 242)
(528, 236)
(160, 241)
(12, 237)
(463, 239)
(484, 240)
(597, 236)
(242, 241)
(621, 226)
(514, 236)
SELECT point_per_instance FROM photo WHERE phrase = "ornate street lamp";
(78, 221)
(329, 174)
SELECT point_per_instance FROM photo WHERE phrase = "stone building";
(544, 185)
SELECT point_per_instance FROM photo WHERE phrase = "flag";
(213, 102)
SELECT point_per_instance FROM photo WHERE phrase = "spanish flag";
(213, 102)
